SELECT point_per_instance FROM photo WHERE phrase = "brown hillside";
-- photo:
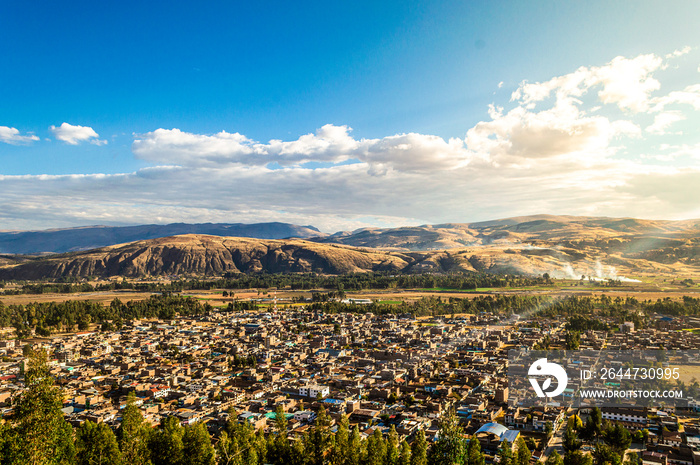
(207, 255)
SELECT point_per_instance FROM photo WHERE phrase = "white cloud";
(688, 96)
(663, 121)
(330, 144)
(569, 145)
(561, 131)
(73, 135)
(627, 83)
(12, 136)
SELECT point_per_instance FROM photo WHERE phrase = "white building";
(314, 390)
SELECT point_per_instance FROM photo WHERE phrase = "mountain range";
(563, 246)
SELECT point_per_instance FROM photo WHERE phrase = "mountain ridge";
(206, 255)
(62, 240)
(562, 246)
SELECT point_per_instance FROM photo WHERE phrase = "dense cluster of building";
(381, 371)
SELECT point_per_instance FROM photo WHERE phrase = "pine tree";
(340, 453)
(228, 451)
(419, 451)
(320, 439)
(133, 435)
(260, 444)
(197, 448)
(297, 455)
(96, 444)
(166, 444)
(9, 444)
(450, 447)
(577, 458)
(355, 448)
(593, 427)
(405, 454)
(251, 458)
(554, 459)
(618, 437)
(505, 453)
(376, 449)
(280, 445)
(523, 454)
(42, 436)
(570, 440)
(392, 447)
(606, 455)
(474, 455)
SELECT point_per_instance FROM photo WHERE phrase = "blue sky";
(386, 113)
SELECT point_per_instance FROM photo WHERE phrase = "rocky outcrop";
(209, 256)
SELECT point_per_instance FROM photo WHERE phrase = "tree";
(355, 446)
(197, 448)
(593, 426)
(392, 447)
(376, 449)
(548, 430)
(297, 454)
(280, 445)
(319, 437)
(577, 458)
(618, 438)
(575, 422)
(505, 453)
(228, 451)
(9, 444)
(554, 459)
(44, 436)
(419, 449)
(530, 443)
(573, 340)
(474, 455)
(341, 445)
(632, 458)
(96, 444)
(133, 435)
(450, 447)
(604, 454)
(570, 440)
(84, 321)
(405, 454)
(166, 444)
(523, 454)
(260, 445)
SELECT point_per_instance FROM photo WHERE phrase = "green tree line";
(298, 281)
(48, 317)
